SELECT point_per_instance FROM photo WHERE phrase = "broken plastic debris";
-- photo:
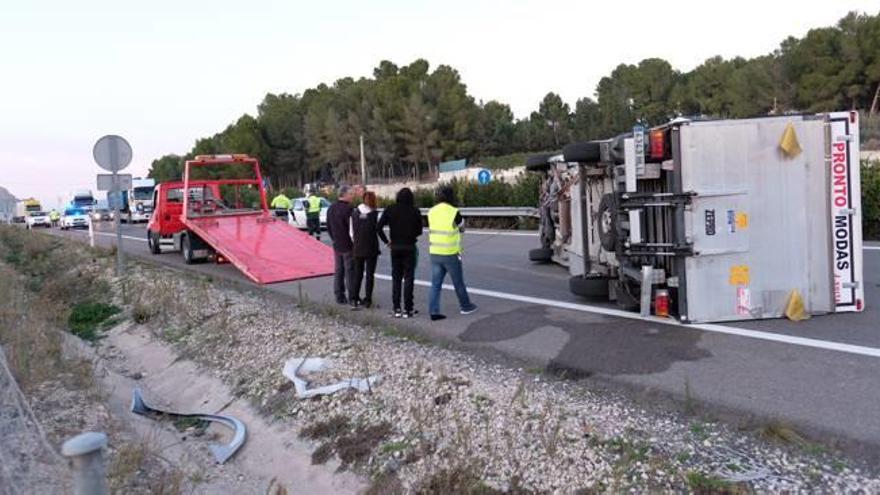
(294, 366)
(222, 453)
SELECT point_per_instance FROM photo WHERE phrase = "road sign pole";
(113, 153)
(120, 257)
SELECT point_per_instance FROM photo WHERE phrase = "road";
(819, 375)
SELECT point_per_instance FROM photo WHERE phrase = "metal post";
(86, 454)
(91, 232)
(120, 260)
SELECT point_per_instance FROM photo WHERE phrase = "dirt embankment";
(437, 421)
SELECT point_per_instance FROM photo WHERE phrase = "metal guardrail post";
(86, 453)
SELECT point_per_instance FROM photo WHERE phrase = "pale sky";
(163, 73)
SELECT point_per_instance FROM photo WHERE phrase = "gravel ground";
(441, 416)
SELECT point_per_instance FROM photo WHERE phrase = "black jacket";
(363, 226)
(405, 222)
(338, 216)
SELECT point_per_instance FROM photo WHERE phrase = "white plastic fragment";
(294, 366)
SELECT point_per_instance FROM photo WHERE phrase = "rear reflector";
(657, 141)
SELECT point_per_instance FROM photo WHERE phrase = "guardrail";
(494, 211)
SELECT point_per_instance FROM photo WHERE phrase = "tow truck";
(710, 220)
(228, 220)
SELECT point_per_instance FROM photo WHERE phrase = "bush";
(85, 319)
(871, 199)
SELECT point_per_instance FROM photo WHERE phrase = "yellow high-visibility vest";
(314, 204)
(443, 236)
(281, 201)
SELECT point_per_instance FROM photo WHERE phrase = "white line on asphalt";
(707, 327)
(871, 248)
(739, 332)
(501, 232)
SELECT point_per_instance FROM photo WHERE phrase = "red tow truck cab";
(229, 219)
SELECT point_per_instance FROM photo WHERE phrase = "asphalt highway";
(819, 376)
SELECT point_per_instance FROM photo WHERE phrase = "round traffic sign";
(484, 176)
(112, 153)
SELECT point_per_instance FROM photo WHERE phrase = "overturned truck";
(710, 220)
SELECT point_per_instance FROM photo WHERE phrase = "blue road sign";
(484, 177)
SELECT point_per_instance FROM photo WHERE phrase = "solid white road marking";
(871, 248)
(707, 327)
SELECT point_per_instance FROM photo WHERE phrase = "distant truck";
(135, 204)
(25, 207)
(83, 199)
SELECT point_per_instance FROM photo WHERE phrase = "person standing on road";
(444, 236)
(364, 222)
(281, 203)
(338, 219)
(313, 215)
(405, 224)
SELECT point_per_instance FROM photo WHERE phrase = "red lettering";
(840, 146)
(839, 157)
(840, 201)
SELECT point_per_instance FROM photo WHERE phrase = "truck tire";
(591, 287)
(187, 249)
(538, 162)
(153, 242)
(583, 152)
(607, 223)
(541, 255)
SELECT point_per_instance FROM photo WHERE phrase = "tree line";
(412, 117)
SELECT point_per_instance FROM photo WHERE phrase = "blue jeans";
(440, 266)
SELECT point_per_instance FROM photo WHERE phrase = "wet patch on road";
(597, 344)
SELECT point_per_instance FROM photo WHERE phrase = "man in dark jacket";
(338, 219)
(405, 222)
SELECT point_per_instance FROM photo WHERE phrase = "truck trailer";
(25, 207)
(710, 220)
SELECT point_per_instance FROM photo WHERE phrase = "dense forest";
(413, 117)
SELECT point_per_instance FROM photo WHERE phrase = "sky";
(164, 73)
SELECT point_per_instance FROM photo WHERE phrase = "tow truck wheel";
(592, 287)
(186, 247)
(540, 255)
(153, 242)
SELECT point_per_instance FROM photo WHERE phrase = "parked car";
(297, 216)
(74, 218)
(37, 219)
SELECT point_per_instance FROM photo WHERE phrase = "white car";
(297, 216)
(73, 218)
(37, 219)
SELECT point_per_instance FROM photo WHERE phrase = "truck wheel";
(538, 162)
(541, 255)
(607, 220)
(583, 152)
(186, 247)
(153, 242)
(592, 287)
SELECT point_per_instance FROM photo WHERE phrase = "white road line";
(707, 327)
(739, 332)
(871, 248)
(500, 232)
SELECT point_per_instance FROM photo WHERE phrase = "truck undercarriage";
(711, 220)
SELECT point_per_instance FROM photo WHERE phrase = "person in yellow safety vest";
(313, 215)
(281, 204)
(54, 217)
(444, 238)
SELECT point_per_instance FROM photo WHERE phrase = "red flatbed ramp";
(265, 248)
